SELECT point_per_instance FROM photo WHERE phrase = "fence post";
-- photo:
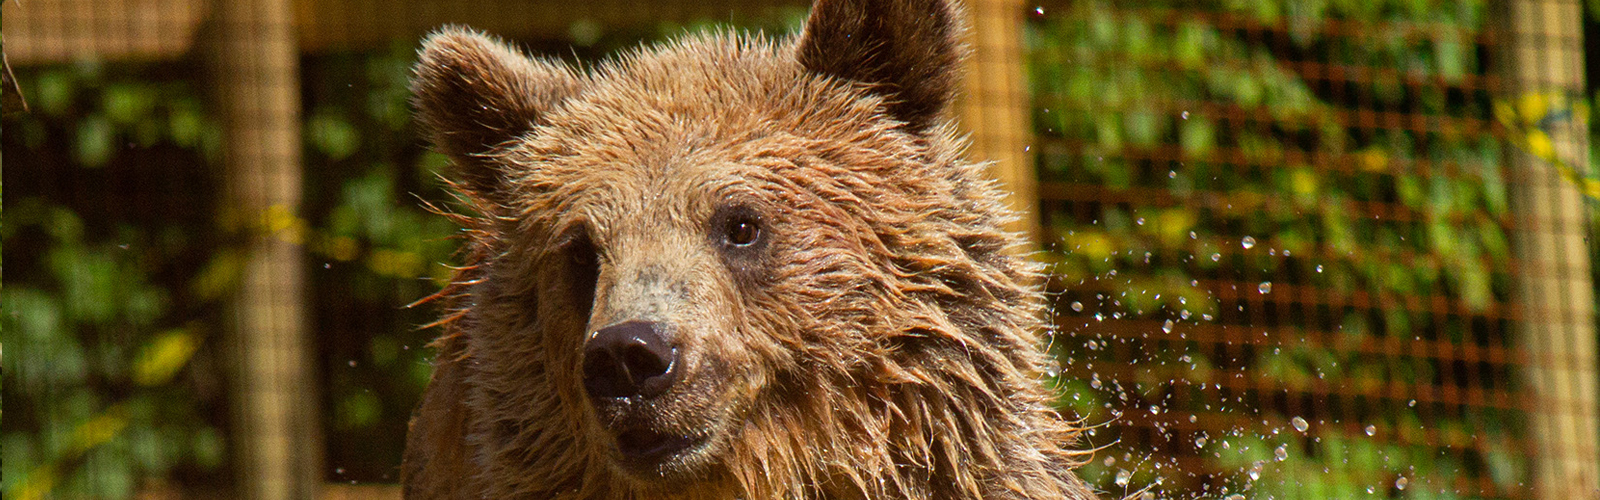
(1544, 52)
(994, 109)
(254, 65)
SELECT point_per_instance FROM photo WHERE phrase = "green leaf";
(333, 136)
(95, 141)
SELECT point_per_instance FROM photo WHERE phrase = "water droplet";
(1139, 221)
(1281, 453)
(1235, 496)
(1412, 404)
(1167, 327)
(1185, 115)
(339, 470)
(1077, 306)
(1155, 409)
(1256, 468)
(1216, 257)
(1193, 419)
(352, 363)
(1401, 483)
(1123, 476)
(1265, 287)
(1148, 495)
(1199, 442)
(1248, 242)
(1172, 174)
(1319, 268)
(1300, 424)
(1372, 429)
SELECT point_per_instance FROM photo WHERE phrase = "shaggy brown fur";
(874, 339)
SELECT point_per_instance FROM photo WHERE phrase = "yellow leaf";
(1093, 245)
(219, 276)
(1302, 181)
(1591, 188)
(161, 359)
(99, 429)
(1373, 160)
(1539, 145)
(1173, 225)
(1505, 114)
(1533, 106)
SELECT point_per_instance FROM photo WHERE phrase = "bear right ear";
(474, 93)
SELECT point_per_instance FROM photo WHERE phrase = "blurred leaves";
(107, 395)
(1248, 163)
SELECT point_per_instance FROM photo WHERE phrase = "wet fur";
(885, 345)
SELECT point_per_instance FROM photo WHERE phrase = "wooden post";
(994, 108)
(254, 67)
(1544, 52)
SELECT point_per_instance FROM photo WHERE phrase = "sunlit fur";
(884, 345)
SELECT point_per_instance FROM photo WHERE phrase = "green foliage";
(109, 375)
(1245, 217)
(373, 250)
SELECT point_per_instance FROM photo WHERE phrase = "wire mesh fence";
(1293, 250)
(1296, 249)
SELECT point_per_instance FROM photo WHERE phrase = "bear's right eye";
(583, 270)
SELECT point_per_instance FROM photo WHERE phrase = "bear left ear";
(909, 51)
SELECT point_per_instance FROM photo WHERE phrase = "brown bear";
(727, 267)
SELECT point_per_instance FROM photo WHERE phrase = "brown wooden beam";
(56, 31)
(994, 106)
(1544, 55)
(275, 432)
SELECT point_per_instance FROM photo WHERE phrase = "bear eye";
(741, 231)
(582, 270)
(743, 236)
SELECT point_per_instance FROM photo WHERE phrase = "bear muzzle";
(629, 371)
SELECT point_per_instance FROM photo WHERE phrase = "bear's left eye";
(739, 229)
(742, 232)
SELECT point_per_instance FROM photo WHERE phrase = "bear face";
(728, 267)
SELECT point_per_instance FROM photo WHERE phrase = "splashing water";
(1300, 424)
(1123, 476)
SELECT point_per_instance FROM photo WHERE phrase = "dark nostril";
(628, 359)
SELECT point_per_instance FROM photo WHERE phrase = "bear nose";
(628, 359)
